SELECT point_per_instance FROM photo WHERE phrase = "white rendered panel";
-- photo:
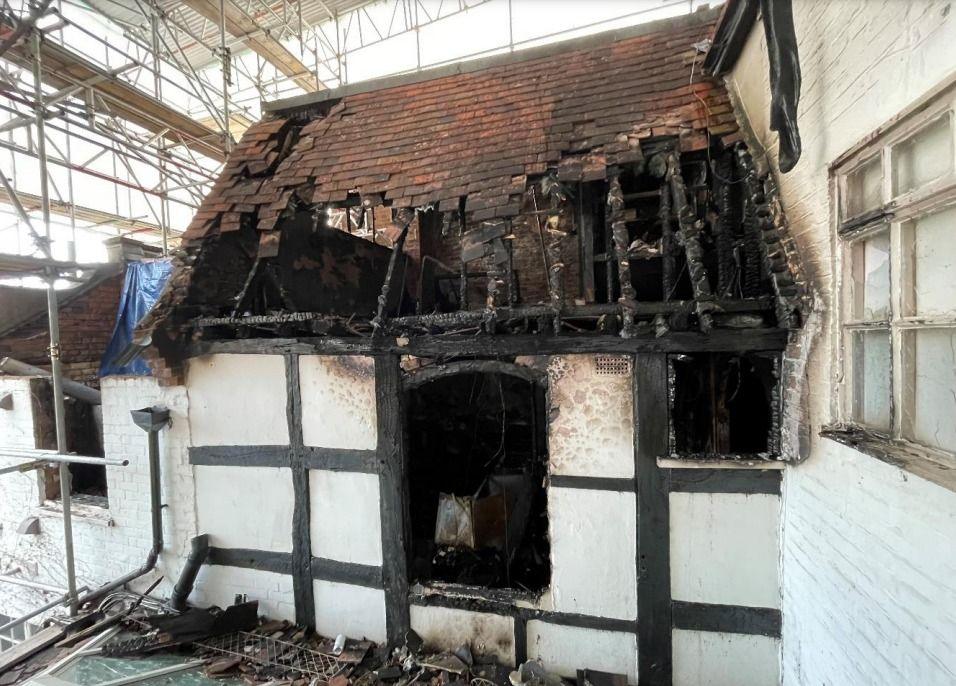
(725, 548)
(345, 518)
(245, 507)
(238, 400)
(593, 547)
(338, 401)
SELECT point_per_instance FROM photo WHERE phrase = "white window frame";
(894, 216)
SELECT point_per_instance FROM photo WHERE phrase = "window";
(478, 464)
(897, 222)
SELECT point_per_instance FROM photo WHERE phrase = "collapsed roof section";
(555, 179)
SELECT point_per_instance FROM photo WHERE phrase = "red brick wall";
(86, 324)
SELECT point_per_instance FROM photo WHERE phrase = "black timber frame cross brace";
(660, 614)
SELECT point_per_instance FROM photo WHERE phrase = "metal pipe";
(47, 456)
(152, 420)
(59, 411)
(16, 581)
(40, 123)
(74, 389)
(227, 140)
(40, 610)
(199, 549)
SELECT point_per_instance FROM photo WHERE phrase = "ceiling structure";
(126, 109)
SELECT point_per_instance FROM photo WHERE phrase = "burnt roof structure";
(596, 185)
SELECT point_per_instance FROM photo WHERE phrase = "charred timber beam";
(615, 222)
(554, 245)
(769, 244)
(424, 375)
(689, 237)
(463, 345)
(667, 243)
(405, 217)
(726, 221)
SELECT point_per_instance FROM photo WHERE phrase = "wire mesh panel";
(273, 652)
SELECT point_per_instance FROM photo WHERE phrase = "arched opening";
(477, 465)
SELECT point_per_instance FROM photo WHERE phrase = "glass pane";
(871, 278)
(871, 378)
(924, 156)
(932, 399)
(864, 188)
(932, 242)
(97, 669)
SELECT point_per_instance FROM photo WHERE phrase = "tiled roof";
(480, 133)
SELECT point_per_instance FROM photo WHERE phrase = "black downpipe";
(150, 419)
(199, 549)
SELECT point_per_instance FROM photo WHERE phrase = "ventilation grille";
(612, 365)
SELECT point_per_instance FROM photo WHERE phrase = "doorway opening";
(477, 466)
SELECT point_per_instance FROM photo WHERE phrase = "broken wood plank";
(30, 646)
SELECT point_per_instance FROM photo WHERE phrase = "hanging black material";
(777, 18)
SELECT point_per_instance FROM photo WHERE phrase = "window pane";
(871, 378)
(931, 241)
(871, 278)
(932, 399)
(924, 156)
(864, 188)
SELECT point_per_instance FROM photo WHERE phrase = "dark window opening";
(83, 437)
(477, 467)
(724, 404)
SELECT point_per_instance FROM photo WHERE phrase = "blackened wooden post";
(406, 216)
(302, 590)
(585, 226)
(389, 402)
(667, 243)
(615, 221)
(689, 237)
(653, 521)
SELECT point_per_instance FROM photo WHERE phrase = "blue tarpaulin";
(141, 288)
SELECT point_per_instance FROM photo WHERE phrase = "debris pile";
(236, 644)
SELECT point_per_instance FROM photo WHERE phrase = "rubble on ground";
(236, 645)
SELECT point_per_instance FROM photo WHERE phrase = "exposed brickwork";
(86, 324)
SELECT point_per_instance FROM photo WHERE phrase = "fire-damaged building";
(538, 354)
(481, 344)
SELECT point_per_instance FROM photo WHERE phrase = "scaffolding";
(117, 115)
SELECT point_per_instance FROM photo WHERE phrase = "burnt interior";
(723, 403)
(674, 241)
(480, 436)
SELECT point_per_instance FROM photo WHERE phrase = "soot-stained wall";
(250, 500)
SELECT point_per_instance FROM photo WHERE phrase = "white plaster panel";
(445, 628)
(725, 548)
(592, 421)
(218, 585)
(593, 547)
(355, 611)
(338, 401)
(238, 400)
(345, 517)
(703, 658)
(245, 507)
(565, 649)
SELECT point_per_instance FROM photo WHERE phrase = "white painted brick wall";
(117, 540)
(868, 551)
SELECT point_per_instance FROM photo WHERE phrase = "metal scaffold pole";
(56, 368)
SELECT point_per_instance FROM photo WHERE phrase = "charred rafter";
(769, 244)
(688, 237)
(619, 235)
